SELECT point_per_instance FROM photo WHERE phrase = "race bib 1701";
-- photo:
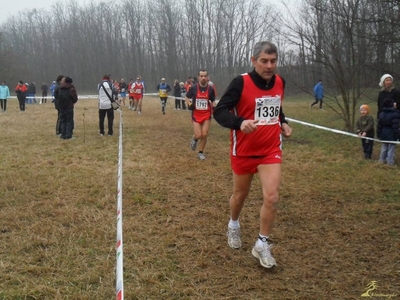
(267, 110)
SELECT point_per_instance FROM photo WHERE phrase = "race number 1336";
(267, 110)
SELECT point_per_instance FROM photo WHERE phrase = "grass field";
(337, 229)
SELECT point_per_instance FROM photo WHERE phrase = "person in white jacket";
(4, 95)
(105, 107)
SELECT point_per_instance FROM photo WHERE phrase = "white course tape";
(119, 289)
(340, 131)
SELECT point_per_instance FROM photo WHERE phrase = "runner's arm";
(222, 113)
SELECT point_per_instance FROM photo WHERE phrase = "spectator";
(387, 91)
(318, 94)
(52, 87)
(388, 130)
(44, 89)
(4, 96)
(58, 124)
(31, 93)
(105, 106)
(66, 97)
(365, 128)
(177, 94)
(20, 90)
(183, 94)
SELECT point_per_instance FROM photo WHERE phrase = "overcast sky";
(10, 8)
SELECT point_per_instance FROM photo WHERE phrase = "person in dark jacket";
(177, 94)
(365, 128)
(44, 89)
(31, 93)
(20, 90)
(66, 97)
(388, 91)
(388, 130)
(58, 124)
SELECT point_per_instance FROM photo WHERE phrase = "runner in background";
(122, 89)
(131, 94)
(138, 88)
(163, 89)
(200, 100)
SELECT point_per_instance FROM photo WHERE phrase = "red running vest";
(263, 105)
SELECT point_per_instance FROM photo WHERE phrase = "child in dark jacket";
(388, 130)
(365, 128)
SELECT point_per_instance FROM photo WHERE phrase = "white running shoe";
(139, 112)
(234, 240)
(263, 253)
(193, 144)
(201, 156)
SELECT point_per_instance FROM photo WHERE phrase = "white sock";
(260, 239)
(234, 224)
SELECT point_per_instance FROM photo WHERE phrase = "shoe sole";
(233, 247)
(255, 254)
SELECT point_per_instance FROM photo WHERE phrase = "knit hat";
(388, 102)
(365, 106)
(383, 78)
(68, 79)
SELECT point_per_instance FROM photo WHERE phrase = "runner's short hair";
(265, 47)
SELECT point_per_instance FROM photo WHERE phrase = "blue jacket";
(52, 88)
(4, 92)
(388, 124)
(319, 90)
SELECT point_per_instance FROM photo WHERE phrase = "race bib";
(201, 104)
(138, 91)
(267, 110)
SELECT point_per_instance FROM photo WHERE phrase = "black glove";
(191, 106)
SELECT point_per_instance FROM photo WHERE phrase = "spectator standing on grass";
(388, 91)
(57, 86)
(20, 90)
(105, 106)
(200, 100)
(4, 96)
(252, 108)
(365, 128)
(183, 94)
(52, 87)
(318, 94)
(31, 93)
(66, 97)
(177, 94)
(163, 89)
(44, 89)
(388, 130)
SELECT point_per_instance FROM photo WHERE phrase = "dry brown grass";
(337, 228)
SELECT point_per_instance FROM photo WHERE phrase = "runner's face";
(203, 78)
(265, 65)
